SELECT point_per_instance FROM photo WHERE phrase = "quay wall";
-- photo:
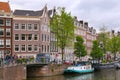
(17, 72)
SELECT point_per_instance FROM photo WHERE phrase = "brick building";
(5, 29)
(31, 32)
(88, 33)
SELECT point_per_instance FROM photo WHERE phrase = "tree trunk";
(62, 54)
(114, 56)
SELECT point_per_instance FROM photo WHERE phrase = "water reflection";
(108, 74)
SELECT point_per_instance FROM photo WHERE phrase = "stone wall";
(13, 73)
(46, 70)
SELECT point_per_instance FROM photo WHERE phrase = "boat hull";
(79, 71)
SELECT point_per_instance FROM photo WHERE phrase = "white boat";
(80, 68)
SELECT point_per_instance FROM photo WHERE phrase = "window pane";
(29, 47)
(35, 27)
(23, 47)
(16, 47)
(29, 26)
(16, 37)
(35, 37)
(8, 43)
(1, 43)
(1, 22)
(35, 48)
(1, 32)
(23, 26)
(8, 22)
(29, 36)
(16, 26)
(8, 32)
(23, 37)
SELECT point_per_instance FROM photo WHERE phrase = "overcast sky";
(96, 12)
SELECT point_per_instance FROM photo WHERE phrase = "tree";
(79, 47)
(103, 38)
(62, 25)
(114, 45)
(96, 52)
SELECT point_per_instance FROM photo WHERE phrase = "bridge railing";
(19, 61)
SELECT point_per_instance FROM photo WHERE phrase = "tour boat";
(80, 68)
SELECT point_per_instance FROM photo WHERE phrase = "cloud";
(96, 12)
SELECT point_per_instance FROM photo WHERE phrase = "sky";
(97, 13)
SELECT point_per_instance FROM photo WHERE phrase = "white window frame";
(18, 48)
(22, 25)
(37, 48)
(28, 37)
(8, 42)
(2, 29)
(28, 47)
(28, 25)
(21, 48)
(8, 29)
(2, 43)
(18, 37)
(16, 24)
(21, 37)
(37, 27)
(37, 37)
(8, 22)
(3, 22)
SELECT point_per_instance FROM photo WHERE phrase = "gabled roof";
(4, 6)
(28, 13)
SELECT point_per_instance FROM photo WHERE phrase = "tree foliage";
(103, 38)
(62, 25)
(79, 47)
(96, 52)
(114, 45)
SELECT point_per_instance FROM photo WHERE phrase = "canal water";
(107, 74)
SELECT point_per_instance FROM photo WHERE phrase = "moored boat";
(83, 67)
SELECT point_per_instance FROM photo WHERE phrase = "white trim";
(18, 26)
(27, 48)
(21, 48)
(18, 48)
(18, 36)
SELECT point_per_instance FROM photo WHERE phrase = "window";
(35, 37)
(1, 53)
(42, 48)
(1, 32)
(35, 48)
(16, 26)
(35, 27)
(1, 22)
(16, 36)
(8, 32)
(8, 22)
(29, 26)
(29, 48)
(48, 48)
(42, 37)
(8, 43)
(23, 26)
(29, 36)
(1, 43)
(48, 38)
(22, 36)
(23, 47)
(16, 48)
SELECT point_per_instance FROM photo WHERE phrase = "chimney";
(86, 25)
(75, 17)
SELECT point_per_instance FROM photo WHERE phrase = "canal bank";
(107, 74)
(16, 72)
